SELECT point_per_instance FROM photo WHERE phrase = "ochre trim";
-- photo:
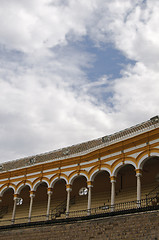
(24, 183)
(68, 186)
(16, 195)
(138, 171)
(77, 173)
(98, 167)
(89, 183)
(113, 178)
(40, 179)
(58, 176)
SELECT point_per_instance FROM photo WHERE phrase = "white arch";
(55, 180)
(145, 158)
(120, 165)
(5, 189)
(21, 186)
(76, 176)
(93, 175)
(38, 183)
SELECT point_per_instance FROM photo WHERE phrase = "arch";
(5, 187)
(56, 178)
(38, 181)
(121, 164)
(95, 170)
(150, 171)
(76, 174)
(145, 155)
(22, 184)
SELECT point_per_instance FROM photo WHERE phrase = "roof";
(82, 148)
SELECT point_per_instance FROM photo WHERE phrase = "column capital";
(68, 187)
(15, 196)
(89, 184)
(112, 179)
(49, 191)
(138, 172)
(32, 193)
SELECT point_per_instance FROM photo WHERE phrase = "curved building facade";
(102, 175)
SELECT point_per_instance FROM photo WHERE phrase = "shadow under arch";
(80, 181)
(150, 175)
(58, 197)
(126, 185)
(40, 199)
(101, 188)
(24, 193)
(8, 200)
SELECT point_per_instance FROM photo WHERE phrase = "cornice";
(106, 143)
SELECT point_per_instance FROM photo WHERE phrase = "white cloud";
(133, 28)
(46, 98)
(33, 25)
(39, 109)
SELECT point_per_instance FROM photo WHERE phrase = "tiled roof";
(82, 148)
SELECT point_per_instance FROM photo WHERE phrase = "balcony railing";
(119, 208)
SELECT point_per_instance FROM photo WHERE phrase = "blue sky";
(107, 60)
(75, 70)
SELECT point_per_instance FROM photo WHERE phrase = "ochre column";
(113, 181)
(68, 189)
(14, 208)
(138, 175)
(32, 195)
(49, 192)
(89, 185)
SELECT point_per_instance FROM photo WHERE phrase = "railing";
(152, 191)
(61, 208)
(119, 207)
(144, 204)
(58, 210)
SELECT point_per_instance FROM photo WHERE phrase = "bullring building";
(104, 177)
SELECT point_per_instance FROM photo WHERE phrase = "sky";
(75, 70)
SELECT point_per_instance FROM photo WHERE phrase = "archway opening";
(40, 201)
(80, 201)
(7, 203)
(22, 210)
(101, 189)
(58, 199)
(125, 184)
(150, 177)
